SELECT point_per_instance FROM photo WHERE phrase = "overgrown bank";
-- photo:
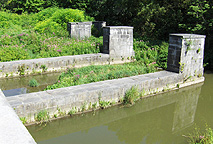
(78, 76)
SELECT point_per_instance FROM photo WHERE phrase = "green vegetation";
(104, 104)
(44, 68)
(72, 111)
(198, 137)
(33, 83)
(21, 70)
(150, 18)
(77, 76)
(131, 96)
(151, 52)
(23, 120)
(43, 34)
(42, 116)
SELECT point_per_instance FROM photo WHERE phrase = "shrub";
(57, 21)
(33, 83)
(151, 52)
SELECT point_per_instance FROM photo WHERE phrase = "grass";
(131, 96)
(78, 76)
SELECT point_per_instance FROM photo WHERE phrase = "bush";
(151, 52)
(55, 19)
(33, 83)
(49, 20)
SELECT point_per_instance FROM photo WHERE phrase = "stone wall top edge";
(160, 74)
(53, 58)
(98, 21)
(80, 23)
(119, 27)
(187, 35)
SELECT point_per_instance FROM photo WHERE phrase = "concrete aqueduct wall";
(184, 62)
(28, 105)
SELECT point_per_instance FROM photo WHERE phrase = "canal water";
(20, 85)
(161, 119)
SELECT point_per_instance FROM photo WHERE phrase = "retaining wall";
(33, 66)
(12, 130)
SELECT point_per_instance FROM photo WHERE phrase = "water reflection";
(158, 119)
(19, 85)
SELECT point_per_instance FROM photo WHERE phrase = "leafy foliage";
(35, 45)
(151, 52)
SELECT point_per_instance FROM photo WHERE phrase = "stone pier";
(118, 42)
(79, 30)
(185, 55)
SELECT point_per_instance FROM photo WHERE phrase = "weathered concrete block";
(79, 30)
(185, 54)
(118, 42)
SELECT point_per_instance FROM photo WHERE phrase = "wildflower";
(26, 34)
(21, 34)
(77, 76)
(53, 33)
(91, 72)
(58, 81)
(59, 50)
(153, 62)
(153, 49)
(25, 49)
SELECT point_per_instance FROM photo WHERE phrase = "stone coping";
(53, 64)
(191, 36)
(119, 27)
(80, 23)
(12, 130)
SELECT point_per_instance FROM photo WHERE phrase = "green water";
(161, 119)
(20, 85)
